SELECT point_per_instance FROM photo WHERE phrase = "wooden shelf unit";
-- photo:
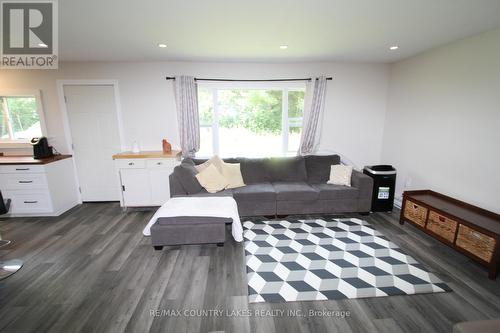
(468, 229)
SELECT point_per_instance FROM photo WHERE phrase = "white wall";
(442, 128)
(355, 106)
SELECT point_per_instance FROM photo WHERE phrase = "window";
(20, 117)
(250, 120)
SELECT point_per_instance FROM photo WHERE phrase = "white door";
(95, 137)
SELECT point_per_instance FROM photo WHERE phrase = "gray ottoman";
(180, 230)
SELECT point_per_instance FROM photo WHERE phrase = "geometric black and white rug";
(328, 258)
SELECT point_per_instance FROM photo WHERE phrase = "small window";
(239, 120)
(21, 117)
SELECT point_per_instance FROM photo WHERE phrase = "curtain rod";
(246, 80)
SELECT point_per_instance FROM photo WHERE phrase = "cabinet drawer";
(415, 213)
(23, 181)
(32, 202)
(165, 163)
(21, 169)
(442, 226)
(130, 164)
(475, 242)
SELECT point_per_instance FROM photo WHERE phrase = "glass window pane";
(206, 114)
(295, 113)
(20, 118)
(4, 125)
(296, 103)
(293, 140)
(250, 122)
(205, 106)
(206, 146)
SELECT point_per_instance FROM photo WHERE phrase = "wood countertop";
(28, 159)
(147, 154)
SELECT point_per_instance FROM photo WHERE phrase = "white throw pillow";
(211, 179)
(232, 173)
(340, 175)
(215, 160)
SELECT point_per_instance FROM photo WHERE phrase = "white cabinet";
(39, 190)
(135, 187)
(144, 178)
(160, 186)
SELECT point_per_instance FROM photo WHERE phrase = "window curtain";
(186, 101)
(313, 115)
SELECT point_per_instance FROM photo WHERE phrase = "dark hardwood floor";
(91, 270)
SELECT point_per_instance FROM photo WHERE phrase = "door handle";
(25, 181)
(130, 163)
(30, 202)
(22, 169)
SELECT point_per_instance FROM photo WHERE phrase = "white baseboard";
(398, 202)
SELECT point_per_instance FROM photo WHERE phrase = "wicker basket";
(415, 213)
(442, 226)
(477, 243)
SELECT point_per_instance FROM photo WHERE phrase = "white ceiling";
(253, 30)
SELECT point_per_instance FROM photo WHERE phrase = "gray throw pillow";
(254, 170)
(318, 167)
(288, 169)
(186, 174)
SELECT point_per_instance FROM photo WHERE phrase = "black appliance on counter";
(41, 148)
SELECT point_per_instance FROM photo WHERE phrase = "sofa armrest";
(176, 188)
(364, 184)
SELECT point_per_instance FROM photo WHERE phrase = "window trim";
(285, 87)
(24, 143)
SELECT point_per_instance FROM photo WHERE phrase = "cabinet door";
(136, 187)
(160, 189)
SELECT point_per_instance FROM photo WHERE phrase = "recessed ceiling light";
(394, 48)
(42, 45)
(283, 47)
(161, 45)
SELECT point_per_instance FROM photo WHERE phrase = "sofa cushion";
(232, 172)
(329, 192)
(254, 170)
(318, 167)
(288, 169)
(215, 161)
(255, 192)
(340, 175)
(295, 191)
(186, 174)
(205, 193)
(191, 220)
(198, 161)
(211, 179)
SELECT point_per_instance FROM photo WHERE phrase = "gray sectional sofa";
(283, 186)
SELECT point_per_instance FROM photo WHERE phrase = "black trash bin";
(384, 185)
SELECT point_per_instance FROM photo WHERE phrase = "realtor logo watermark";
(29, 38)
